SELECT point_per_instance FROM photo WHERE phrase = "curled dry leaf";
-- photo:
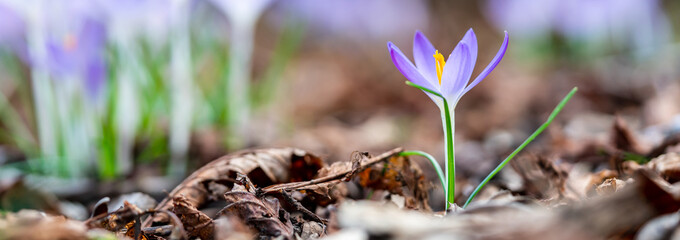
(196, 223)
(597, 179)
(248, 184)
(610, 185)
(667, 165)
(116, 220)
(263, 214)
(264, 167)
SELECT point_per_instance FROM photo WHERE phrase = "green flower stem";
(450, 188)
(524, 144)
(434, 163)
(450, 158)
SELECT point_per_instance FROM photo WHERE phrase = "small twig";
(297, 185)
(164, 230)
(137, 226)
(299, 207)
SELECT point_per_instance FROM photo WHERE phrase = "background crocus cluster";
(104, 74)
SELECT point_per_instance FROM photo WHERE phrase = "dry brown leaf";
(541, 177)
(31, 224)
(264, 214)
(610, 185)
(597, 179)
(116, 220)
(196, 223)
(398, 176)
(667, 165)
(264, 167)
(622, 137)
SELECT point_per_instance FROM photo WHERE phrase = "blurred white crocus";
(181, 87)
(242, 16)
(12, 31)
(132, 19)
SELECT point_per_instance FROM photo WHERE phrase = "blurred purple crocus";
(13, 32)
(355, 19)
(80, 56)
(432, 71)
(640, 26)
(526, 19)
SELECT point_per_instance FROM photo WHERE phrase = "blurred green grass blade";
(264, 91)
(524, 144)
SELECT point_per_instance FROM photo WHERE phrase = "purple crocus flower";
(431, 71)
(13, 32)
(448, 81)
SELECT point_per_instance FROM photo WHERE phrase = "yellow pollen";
(439, 60)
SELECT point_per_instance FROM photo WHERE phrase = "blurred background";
(104, 96)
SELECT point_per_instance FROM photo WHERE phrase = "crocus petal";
(491, 66)
(471, 40)
(423, 52)
(95, 78)
(92, 37)
(407, 68)
(58, 60)
(455, 74)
